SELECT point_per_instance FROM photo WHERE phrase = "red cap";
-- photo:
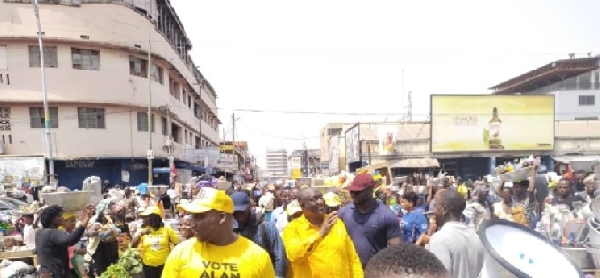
(361, 182)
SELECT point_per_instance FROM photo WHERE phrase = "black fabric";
(106, 254)
(51, 249)
(152, 271)
(568, 201)
(166, 201)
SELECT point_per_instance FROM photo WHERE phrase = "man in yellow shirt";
(317, 245)
(216, 251)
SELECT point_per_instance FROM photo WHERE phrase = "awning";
(416, 163)
(578, 162)
(188, 166)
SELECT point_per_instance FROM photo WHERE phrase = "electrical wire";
(276, 137)
(457, 114)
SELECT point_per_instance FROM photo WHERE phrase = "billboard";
(352, 144)
(387, 134)
(492, 123)
(334, 154)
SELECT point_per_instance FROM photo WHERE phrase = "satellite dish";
(522, 252)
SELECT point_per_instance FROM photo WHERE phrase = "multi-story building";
(100, 82)
(575, 84)
(310, 161)
(277, 162)
(330, 129)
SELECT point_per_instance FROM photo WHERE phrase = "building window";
(85, 59)
(138, 67)
(5, 118)
(3, 58)
(37, 117)
(50, 56)
(174, 88)
(142, 122)
(197, 142)
(176, 133)
(587, 100)
(165, 126)
(157, 74)
(91, 117)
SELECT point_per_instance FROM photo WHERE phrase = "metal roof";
(548, 74)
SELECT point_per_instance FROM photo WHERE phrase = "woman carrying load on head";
(52, 243)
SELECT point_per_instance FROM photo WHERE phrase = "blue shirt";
(371, 230)
(413, 225)
(143, 188)
(277, 250)
(277, 212)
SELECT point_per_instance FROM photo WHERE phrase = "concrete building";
(277, 162)
(99, 88)
(330, 129)
(575, 137)
(575, 84)
(310, 161)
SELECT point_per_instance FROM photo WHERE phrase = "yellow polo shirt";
(311, 256)
(243, 258)
(156, 246)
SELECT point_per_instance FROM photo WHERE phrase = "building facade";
(277, 162)
(100, 83)
(310, 161)
(412, 142)
(575, 84)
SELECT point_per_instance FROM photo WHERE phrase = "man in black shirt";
(563, 195)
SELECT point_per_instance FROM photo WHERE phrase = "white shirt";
(28, 234)
(459, 248)
(173, 194)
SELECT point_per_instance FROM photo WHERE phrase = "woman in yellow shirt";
(154, 242)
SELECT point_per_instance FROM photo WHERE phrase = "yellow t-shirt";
(156, 246)
(242, 259)
(311, 256)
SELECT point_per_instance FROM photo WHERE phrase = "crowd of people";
(290, 231)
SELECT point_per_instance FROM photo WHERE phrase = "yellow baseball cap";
(209, 199)
(69, 214)
(332, 199)
(293, 207)
(150, 210)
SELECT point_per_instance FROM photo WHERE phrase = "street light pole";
(47, 135)
(150, 152)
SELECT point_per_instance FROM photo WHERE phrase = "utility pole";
(170, 141)
(233, 129)
(233, 141)
(150, 152)
(47, 134)
(201, 113)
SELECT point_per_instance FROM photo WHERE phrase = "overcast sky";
(351, 57)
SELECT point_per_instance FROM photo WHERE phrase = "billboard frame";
(491, 152)
(357, 126)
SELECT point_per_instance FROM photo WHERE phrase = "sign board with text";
(492, 123)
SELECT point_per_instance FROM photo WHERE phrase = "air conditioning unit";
(2, 148)
(168, 146)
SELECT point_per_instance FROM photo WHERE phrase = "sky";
(355, 61)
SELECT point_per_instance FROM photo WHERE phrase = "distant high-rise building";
(277, 162)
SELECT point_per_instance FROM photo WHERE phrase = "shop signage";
(227, 162)
(80, 164)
